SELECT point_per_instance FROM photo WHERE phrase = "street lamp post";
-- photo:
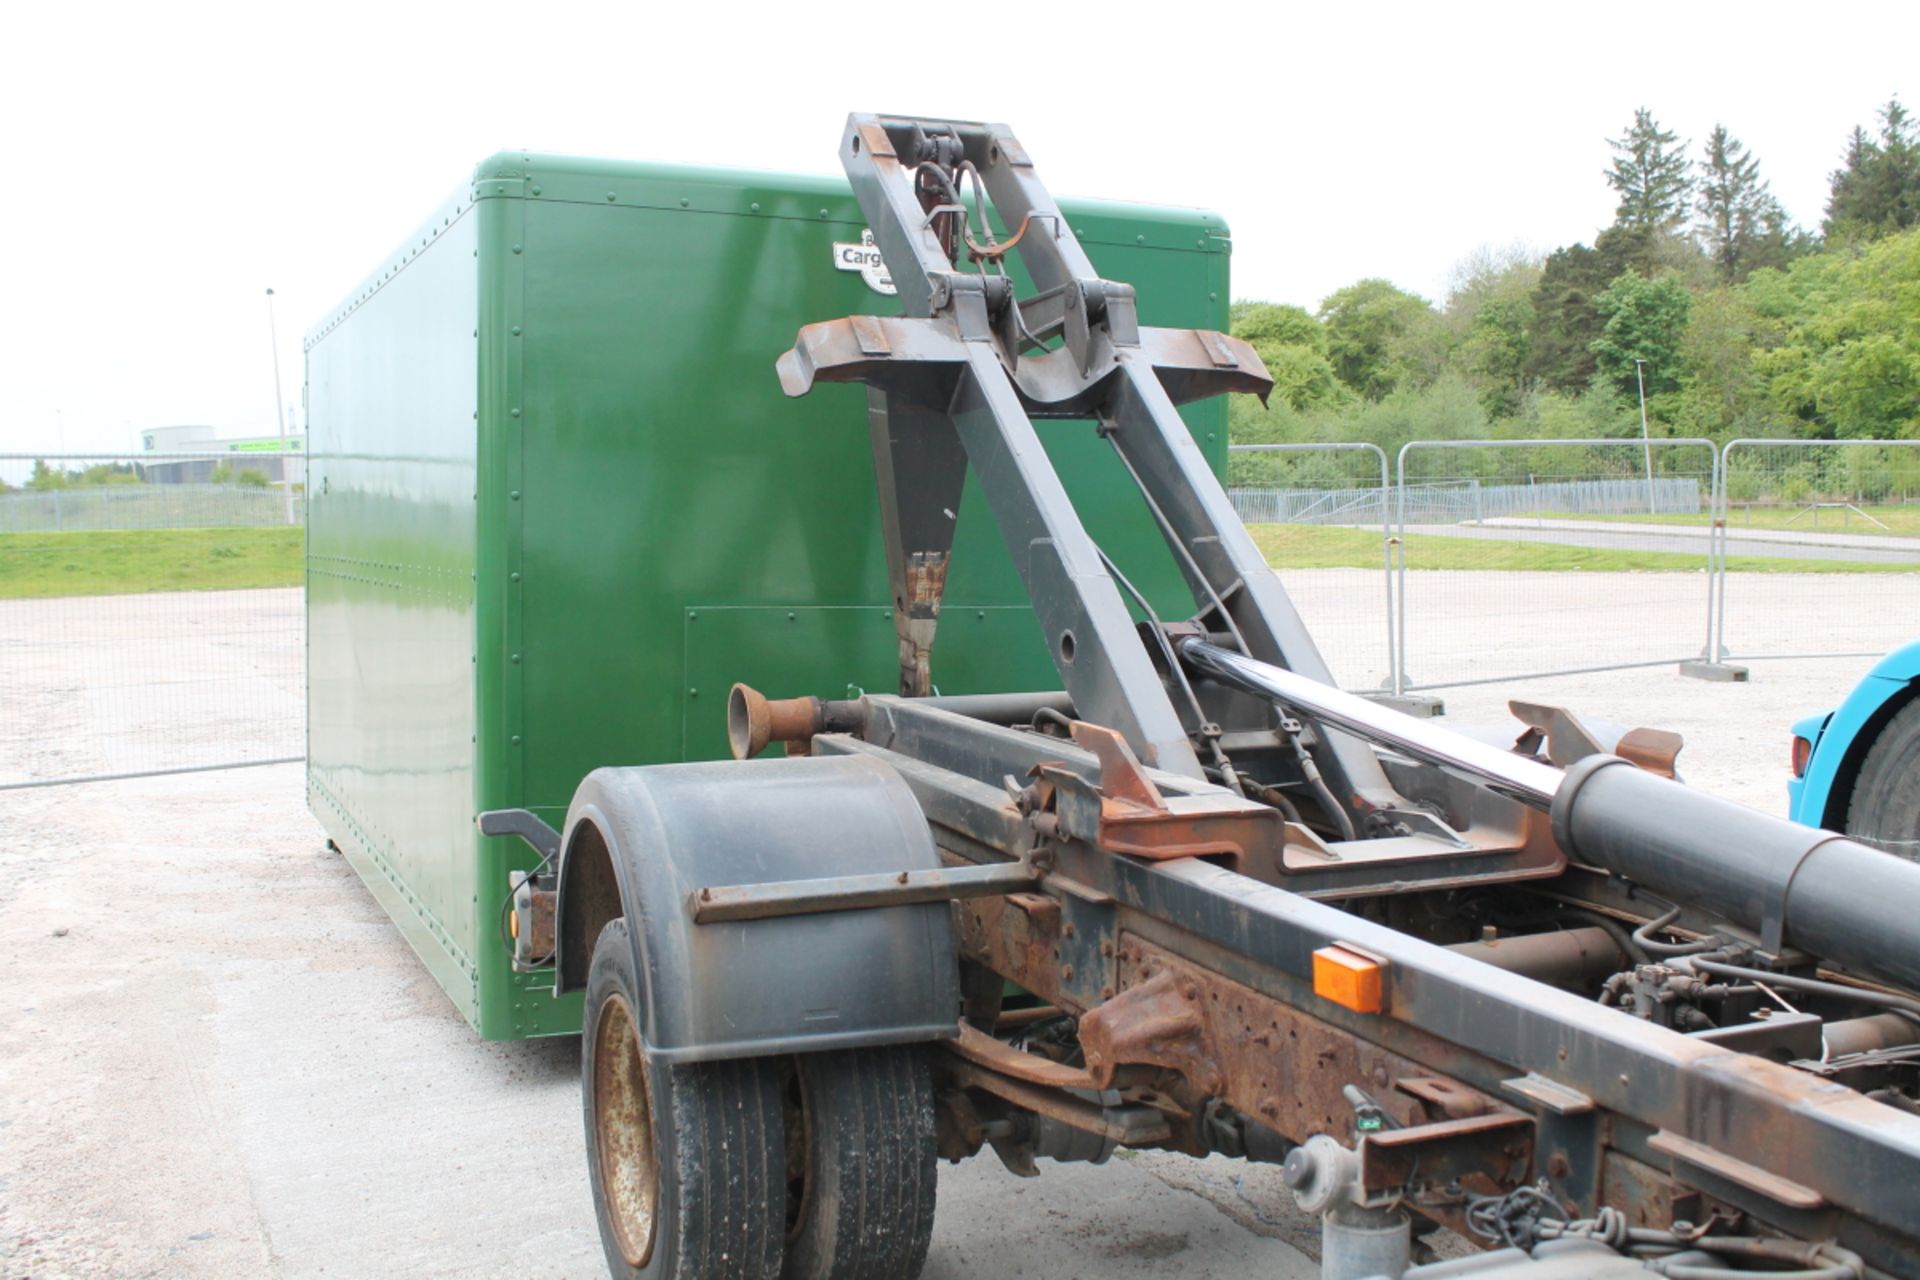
(1646, 440)
(279, 409)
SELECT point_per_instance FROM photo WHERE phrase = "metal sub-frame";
(965, 348)
(1590, 1075)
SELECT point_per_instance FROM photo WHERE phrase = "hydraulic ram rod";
(1528, 781)
(1834, 897)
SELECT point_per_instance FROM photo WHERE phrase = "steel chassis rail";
(1593, 1084)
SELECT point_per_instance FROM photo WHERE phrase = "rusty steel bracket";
(1126, 812)
(715, 904)
(1568, 739)
(1497, 1146)
(1158, 1022)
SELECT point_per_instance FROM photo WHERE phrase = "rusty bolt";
(1066, 931)
(1557, 1164)
(902, 877)
(1106, 993)
(706, 895)
(1066, 972)
(1106, 948)
(1190, 992)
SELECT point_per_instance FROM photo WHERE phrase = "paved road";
(1682, 539)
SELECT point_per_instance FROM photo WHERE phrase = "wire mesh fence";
(1500, 544)
(150, 614)
(1320, 513)
(1822, 540)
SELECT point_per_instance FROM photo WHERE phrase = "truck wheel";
(861, 1166)
(685, 1161)
(1884, 809)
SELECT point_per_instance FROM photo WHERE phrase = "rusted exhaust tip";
(754, 720)
(749, 724)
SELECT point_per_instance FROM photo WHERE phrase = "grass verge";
(118, 562)
(1306, 546)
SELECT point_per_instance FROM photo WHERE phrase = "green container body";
(557, 505)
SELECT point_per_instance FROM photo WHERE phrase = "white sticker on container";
(864, 257)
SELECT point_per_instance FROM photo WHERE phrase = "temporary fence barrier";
(1523, 558)
(150, 614)
(1822, 537)
(1321, 514)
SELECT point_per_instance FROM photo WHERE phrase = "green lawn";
(101, 563)
(1903, 518)
(1307, 546)
(113, 563)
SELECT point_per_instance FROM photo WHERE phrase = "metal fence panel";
(1536, 557)
(1823, 539)
(151, 614)
(1320, 513)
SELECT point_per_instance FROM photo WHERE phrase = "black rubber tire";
(1884, 809)
(716, 1133)
(864, 1119)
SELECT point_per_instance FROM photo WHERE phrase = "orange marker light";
(1802, 752)
(1349, 978)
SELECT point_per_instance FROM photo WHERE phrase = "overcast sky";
(173, 161)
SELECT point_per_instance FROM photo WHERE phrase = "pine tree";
(1876, 190)
(1650, 173)
(1741, 225)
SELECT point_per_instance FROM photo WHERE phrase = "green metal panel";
(643, 516)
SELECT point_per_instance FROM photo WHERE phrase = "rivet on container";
(609, 195)
(754, 207)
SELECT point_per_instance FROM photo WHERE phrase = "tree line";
(1734, 321)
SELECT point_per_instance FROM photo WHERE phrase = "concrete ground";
(220, 1059)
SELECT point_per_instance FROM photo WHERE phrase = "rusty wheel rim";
(629, 1169)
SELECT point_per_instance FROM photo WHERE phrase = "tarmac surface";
(220, 1059)
(1778, 544)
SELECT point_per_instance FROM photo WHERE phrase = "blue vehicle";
(1856, 769)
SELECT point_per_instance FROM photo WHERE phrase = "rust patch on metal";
(1654, 750)
(1266, 1058)
(1773, 1186)
(1645, 1195)
(1444, 1097)
(919, 614)
(1123, 783)
(1136, 818)
(1018, 937)
(1496, 1147)
(1157, 1023)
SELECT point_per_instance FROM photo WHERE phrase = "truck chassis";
(1198, 899)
